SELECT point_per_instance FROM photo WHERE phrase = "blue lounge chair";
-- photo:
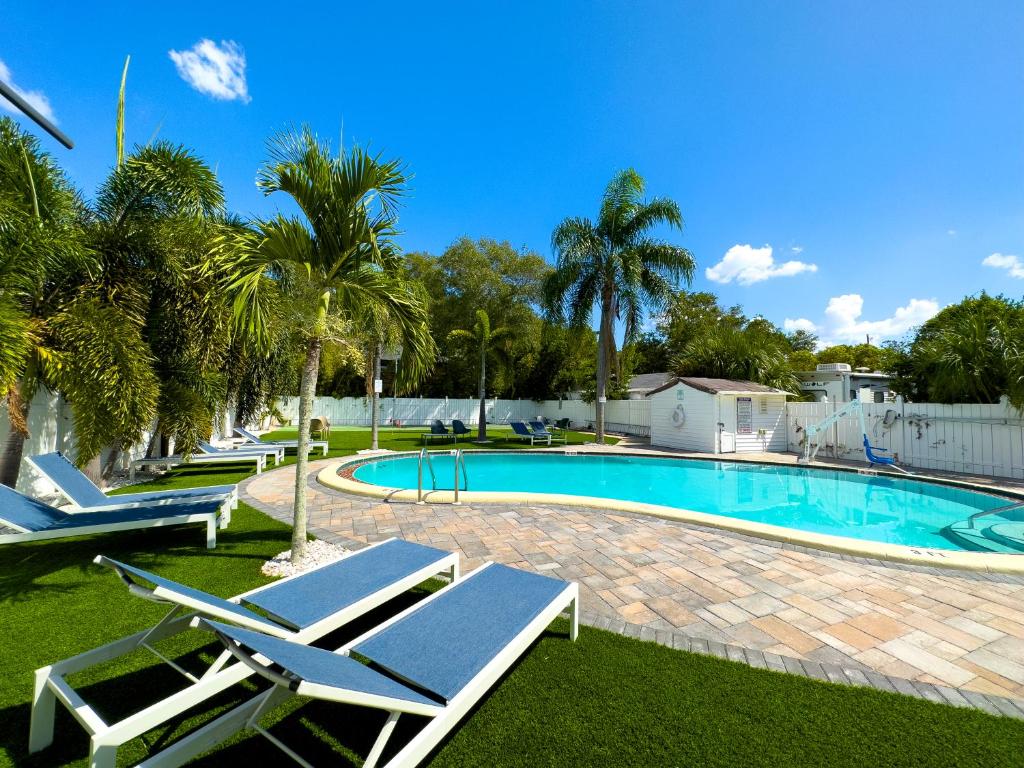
(83, 493)
(522, 432)
(252, 439)
(438, 431)
(32, 520)
(299, 609)
(458, 428)
(541, 430)
(277, 451)
(435, 660)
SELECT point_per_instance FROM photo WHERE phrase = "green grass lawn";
(605, 700)
(347, 440)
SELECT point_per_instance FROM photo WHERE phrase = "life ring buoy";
(679, 416)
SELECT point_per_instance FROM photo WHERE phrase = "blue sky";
(849, 167)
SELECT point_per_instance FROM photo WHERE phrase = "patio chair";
(32, 520)
(301, 609)
(495, 613)
(320, 427)
(77, 488)
(254, 439)
(522, 432)
(275, 451)
(438, 431)
(563, 425)
(458, 428)
(227, 457)
(540, 430)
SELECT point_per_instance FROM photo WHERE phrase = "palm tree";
(321, 266)
(486, 340)
(42, 260)
(618, 266)
(380, 331)
(751, 353)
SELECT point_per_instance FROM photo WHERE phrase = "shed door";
(726, 425)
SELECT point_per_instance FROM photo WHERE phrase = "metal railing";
(424, 458)
(460, 460)
(996, 511)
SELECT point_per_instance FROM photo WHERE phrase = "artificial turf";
(605, 700)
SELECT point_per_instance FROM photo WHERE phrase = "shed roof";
(645, 382)
(720, 386)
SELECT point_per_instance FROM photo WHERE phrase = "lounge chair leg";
(455, 571)
(40, 734)
(102, 755)
(382, 740)
(574, 619)
(211, 532)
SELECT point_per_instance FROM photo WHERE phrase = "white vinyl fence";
(627, 416)
(976, 439)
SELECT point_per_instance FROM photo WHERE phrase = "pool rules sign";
(744, 415)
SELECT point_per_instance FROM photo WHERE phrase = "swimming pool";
(876, 508)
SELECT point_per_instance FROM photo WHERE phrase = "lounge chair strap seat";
(318, 594)
(224, 607)
(78, 487)
(305, 663)
(443, 645)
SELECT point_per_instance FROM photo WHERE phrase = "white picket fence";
(976, 439)
(627, 416)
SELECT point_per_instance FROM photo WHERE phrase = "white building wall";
(699, 426)
(772, 420)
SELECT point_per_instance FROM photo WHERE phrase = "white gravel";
(317, 553)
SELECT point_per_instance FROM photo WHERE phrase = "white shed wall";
(773, 422)
(699, 429)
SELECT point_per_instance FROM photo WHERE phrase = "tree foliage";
(616, 265)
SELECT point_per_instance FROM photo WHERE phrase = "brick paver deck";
(942, 630)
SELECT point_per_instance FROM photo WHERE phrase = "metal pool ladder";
(424, 458)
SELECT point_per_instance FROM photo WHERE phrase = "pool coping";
(991, 562)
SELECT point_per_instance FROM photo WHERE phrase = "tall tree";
(971, 352)
(755, 352)
(156, 218)
(487, 342)
(326, 262)
(616, 265)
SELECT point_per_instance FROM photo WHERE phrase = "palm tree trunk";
(14, 445)
(375, 403)
(307, 389)
(603, 339)
(481, 427)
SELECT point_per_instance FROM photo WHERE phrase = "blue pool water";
(875, 508)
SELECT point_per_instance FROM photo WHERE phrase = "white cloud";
(951, 232)
(216, 70)
(797, 249)
(1013, 265)
(36, 98)
(800, 324)
(845, 323)
(747, 265)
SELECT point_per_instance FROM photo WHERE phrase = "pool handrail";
(995, 511)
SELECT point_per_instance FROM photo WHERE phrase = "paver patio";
(941, 627)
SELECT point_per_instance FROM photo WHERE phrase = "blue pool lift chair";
(298, 609)
(77, 488)
(496, 613)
